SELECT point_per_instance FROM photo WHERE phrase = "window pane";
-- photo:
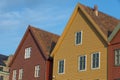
(117, 57)
(78, 37)
(61, 66)
(82, 60)
(14, 75)
(37, 71)
(27, 52)
(20, 74)
(95, 60)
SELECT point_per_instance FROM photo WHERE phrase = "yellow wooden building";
(81, 52)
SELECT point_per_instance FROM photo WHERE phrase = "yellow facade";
(67, 50)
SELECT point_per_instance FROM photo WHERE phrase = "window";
(117, 57)
(37, 71)
(95, 60)
(14, 75)
(20, 74)
(61, 66)
(78, 38)
(27, 52)
(82, 63)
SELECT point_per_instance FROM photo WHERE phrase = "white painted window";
(117, 57)
(20, 74)
(37, 71)
(28, 52)
(82, 63)
(95, 60)
(78, 38)
(14, 75)
(61, 65)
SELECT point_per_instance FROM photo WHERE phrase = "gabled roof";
(101, 23)
(115, 31)
(46, 41)
(2, 59)
(105, 22)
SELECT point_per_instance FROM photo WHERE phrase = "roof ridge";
(99, 11)
(103, 20)
(43, 30)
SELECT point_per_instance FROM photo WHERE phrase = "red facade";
(113, 70)
(37, 57)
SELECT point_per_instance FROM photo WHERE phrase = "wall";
(29, 64)
(70, 52)
(113, 71)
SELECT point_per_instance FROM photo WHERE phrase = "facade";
(4, 69)
(31, 60)
(114, 55)
(81, 52)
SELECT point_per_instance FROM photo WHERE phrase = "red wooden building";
(114, 55)
(31, 60)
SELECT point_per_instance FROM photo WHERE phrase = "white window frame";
(85, 63)
(27, 52)
(37, 71)
(92, 60)
(14, 76)
(117, 64)
(76, 38)
(20, 77)
(64, 66)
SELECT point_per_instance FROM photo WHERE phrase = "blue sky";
(49, 15)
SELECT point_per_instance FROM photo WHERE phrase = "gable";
(19, 57)
(90, 37)
(45, 41)
(114, 37)
(79, 10)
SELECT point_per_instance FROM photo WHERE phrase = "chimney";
(96, 10)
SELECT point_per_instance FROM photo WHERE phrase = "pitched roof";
(2, 59)
(102, 23)
(46, 41)
(115, 31)
(105, 22)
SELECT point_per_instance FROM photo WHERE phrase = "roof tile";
(45, 39)
(105, 22)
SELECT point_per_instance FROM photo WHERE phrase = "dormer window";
(27, 52)
(78, 38)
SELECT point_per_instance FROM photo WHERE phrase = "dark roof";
(46, 40)
(104, 21)
(2, 59)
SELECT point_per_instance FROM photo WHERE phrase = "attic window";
(78, 38)
(27, 52)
